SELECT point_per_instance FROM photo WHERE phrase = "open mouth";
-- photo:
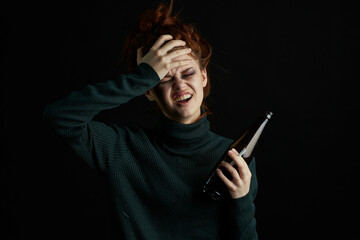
(183, 98)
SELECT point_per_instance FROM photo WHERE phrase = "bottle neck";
(254, 139)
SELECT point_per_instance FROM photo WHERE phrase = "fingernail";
(233, 150)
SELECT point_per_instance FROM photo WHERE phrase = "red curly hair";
(156, 22)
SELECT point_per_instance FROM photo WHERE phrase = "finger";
(171, 44)
(233, 172)
(235, 151)
(180, 64)
(225, 180)
(240, 163)
(178, 53)
(244, 171)
(161, 40)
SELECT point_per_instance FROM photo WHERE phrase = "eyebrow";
(167, 75)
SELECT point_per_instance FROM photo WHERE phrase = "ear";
(150, 95)
(204, 76)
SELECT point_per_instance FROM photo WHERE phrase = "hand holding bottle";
(239, 185)
(161, 59)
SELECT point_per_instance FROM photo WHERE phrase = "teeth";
(183, 97)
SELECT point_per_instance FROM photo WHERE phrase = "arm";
(71, 117)
(240, 208)
(242, 212)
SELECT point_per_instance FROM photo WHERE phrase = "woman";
(155, 176)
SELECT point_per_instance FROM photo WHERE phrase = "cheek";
(162, 93)
(199, 87)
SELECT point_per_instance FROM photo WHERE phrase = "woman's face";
(180, 93)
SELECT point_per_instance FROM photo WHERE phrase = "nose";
(179, 83)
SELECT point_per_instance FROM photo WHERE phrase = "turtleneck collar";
(170, 131)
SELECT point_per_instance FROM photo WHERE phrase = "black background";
(296, 58)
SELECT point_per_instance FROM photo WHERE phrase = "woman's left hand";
(239, 185)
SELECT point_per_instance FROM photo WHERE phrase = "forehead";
(180, 70)
(185, 57)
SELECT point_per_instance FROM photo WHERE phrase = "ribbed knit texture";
(154, 176)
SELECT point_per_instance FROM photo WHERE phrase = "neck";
(178, 134)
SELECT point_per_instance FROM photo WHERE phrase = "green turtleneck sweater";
(154, 176)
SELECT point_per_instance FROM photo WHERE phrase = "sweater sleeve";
(241, 212)
(71, 117)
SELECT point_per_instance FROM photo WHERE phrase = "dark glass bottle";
(245, 145)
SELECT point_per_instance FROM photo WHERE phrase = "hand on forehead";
(178, 70)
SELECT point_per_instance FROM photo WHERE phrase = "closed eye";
(166, 80)
(188, 74)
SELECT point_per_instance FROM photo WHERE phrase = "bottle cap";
(268, 114)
